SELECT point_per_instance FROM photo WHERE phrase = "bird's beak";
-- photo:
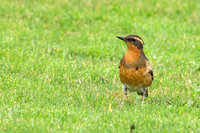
(122, 38)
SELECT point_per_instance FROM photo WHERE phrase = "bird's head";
(133, 41)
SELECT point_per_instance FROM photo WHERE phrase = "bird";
(135, 70)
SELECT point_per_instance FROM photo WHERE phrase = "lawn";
(59, 65)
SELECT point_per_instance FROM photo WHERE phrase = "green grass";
(59, 65)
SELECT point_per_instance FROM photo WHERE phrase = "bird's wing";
(151, 73)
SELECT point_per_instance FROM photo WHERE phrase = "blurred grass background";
(59, 65)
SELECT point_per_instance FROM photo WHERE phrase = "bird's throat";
(132, 55)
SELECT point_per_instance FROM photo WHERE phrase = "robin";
(135, 71)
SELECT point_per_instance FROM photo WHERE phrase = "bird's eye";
(132, 40)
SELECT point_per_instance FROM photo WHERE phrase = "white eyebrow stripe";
(139, 40)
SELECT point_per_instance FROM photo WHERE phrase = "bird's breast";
(135, 76)
(134, 69)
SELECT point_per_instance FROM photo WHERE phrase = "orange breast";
(133, 77)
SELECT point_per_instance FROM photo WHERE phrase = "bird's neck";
(133, 54)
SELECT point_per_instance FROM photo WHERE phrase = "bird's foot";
(142, 100)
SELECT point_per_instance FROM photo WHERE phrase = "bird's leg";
(125, 93)
(123, 101)
(144, 93)
(142, 99)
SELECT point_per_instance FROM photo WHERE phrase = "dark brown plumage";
(135, 71)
